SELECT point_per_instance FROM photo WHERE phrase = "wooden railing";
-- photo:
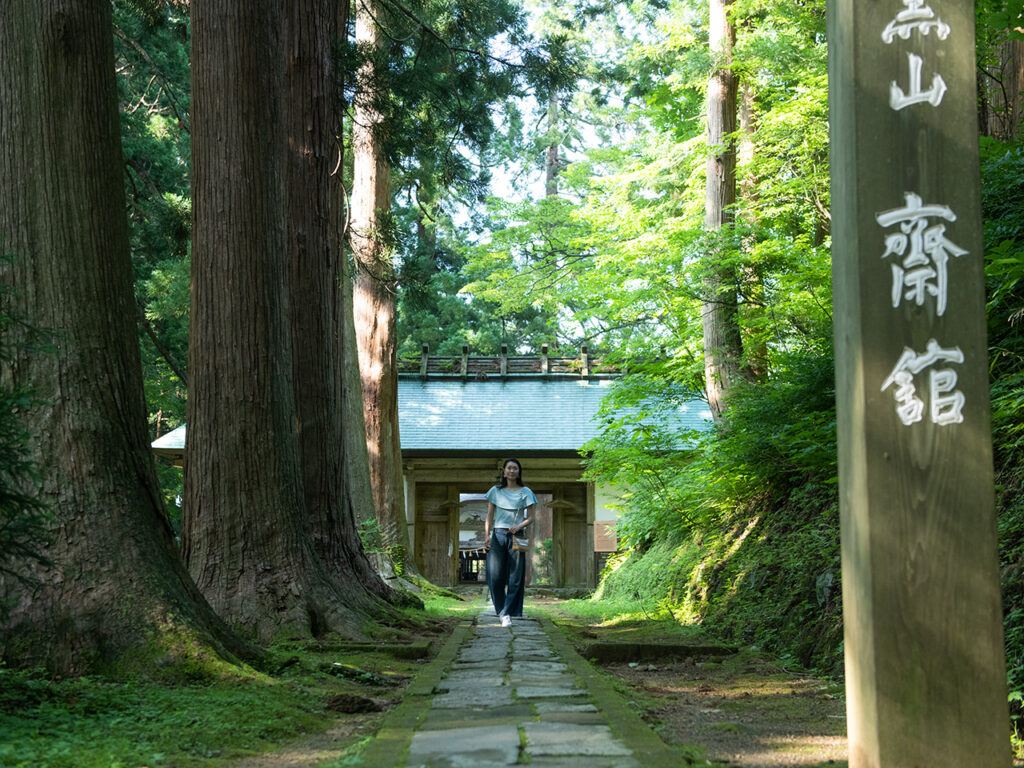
(468, 366)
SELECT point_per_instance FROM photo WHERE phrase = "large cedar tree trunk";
(117, 584)
(247, 533)
(358, 487)
(375, 287)
(722, 345)
(315, 255)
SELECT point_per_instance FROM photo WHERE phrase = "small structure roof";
(171, 446)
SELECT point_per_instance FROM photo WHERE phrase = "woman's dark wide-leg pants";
(506, 574)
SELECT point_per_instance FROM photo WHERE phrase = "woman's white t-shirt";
(506, 503)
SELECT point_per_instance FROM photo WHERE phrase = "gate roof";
(510, 416)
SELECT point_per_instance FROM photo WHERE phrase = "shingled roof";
(508, 404)
(522, 415)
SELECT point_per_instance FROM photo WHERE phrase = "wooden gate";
(437, 509)
(574, 550)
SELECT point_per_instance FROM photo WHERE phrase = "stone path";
(510, 696)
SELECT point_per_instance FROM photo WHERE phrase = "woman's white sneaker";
(506, 621)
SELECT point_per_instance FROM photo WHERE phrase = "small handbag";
(520, 543)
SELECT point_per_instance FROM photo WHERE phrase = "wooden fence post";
(925, 668)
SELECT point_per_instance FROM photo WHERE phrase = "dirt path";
(331, 745)
(743, 710)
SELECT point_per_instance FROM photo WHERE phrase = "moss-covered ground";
(324, 697)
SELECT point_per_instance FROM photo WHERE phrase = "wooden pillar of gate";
(925, 669)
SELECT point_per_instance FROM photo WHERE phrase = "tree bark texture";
(722, 345)
(246, 529)
(117, 584)
(375, 285)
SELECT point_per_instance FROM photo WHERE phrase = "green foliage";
(151, 42)
(1011, 545)
(649, 583)
(1002, 205)
(543, 561)
(434, 310)
(999, 19)
(779, 435)
(640, 451)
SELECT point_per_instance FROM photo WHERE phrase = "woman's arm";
(488, 524)
(526, 519)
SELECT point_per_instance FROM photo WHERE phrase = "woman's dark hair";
(502, 481)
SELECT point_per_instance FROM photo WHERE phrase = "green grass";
(619, 620)
(85, 722)
(94, 722)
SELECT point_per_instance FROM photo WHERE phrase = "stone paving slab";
(536, 655)
(537, 667)
(572, 739)
(565, 681)
(548, 692)
(484, 653)
(552, 707)
(473, 697)
(469, 747)
(486, 664)
(472, 680)
(437, 719)
(590, 761)
(594, 717)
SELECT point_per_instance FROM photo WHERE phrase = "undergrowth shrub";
(770, 577)
(653, 579)
(780, 434)
(1011, 563)
(1002, 169)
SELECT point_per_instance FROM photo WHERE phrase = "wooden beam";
(925, 670)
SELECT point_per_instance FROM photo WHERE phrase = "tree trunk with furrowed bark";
(264, 533)
(116, 597)
(375, 287)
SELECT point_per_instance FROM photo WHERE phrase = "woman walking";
(509, 509)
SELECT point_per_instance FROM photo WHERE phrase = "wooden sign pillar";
(925, 669)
